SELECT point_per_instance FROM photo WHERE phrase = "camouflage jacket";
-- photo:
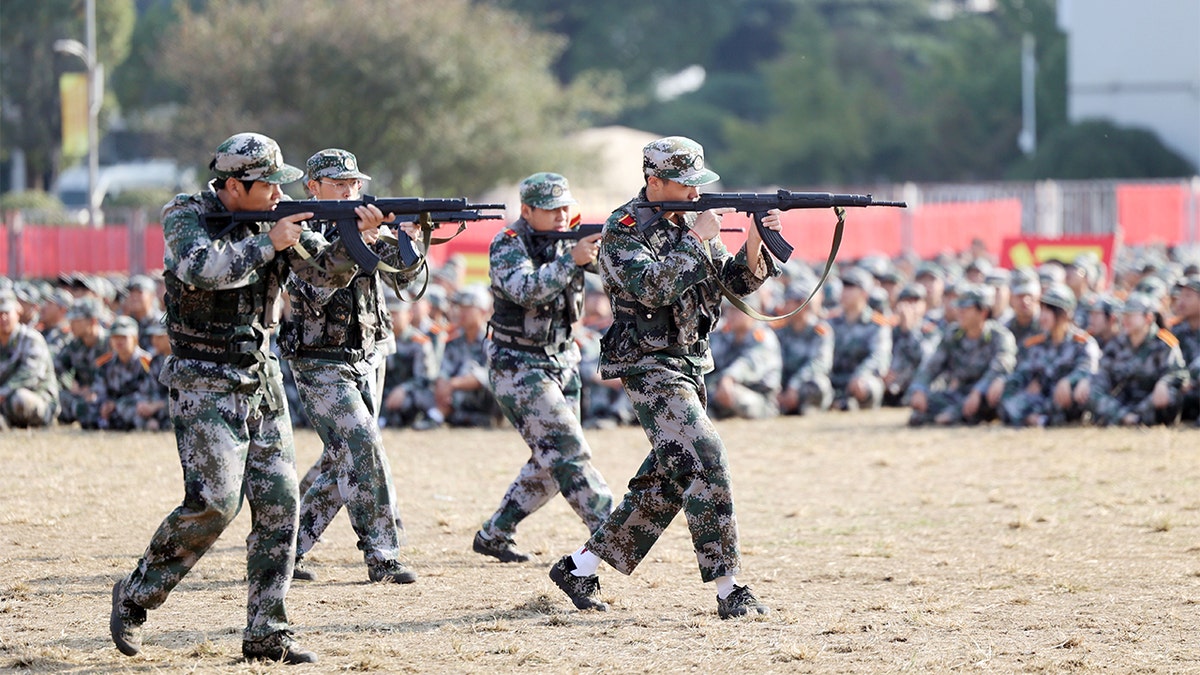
(412, 363)
(119, 381)
(754, 360)
(1189, 340)
(537, 289)
(464, 356)
(1044, 362)
(347, 324)
(910, 348)
(663, 284)
(25, 363)
(963, 364)
(807, 353)
(1132, 372)
(76, 362)
(861, 347)
(222, 293)
(1022, 333)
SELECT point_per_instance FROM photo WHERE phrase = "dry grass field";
(880, 549)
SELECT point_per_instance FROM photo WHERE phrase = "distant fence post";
(1193, 211)
(16, 228)
(137, 241)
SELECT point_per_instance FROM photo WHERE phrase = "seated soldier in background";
(962, 380)
(153, 413)
(28, 387)
(121, 375)
(806, 343)
(411, 371)
(53, 319)
(913, 339)
(76, 362)
(604, 403)
(1103, 314)
(1186, 306)
(461, 391)
(1141, 372)
(1040, 392)
(862, 346)
(1026, 292)
(747, 367)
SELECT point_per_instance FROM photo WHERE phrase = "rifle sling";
(755, 314)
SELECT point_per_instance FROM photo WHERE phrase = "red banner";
(1032, 251)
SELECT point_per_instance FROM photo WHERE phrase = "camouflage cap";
(679, 159)
(911, 292)
(1025, 281)
(996, 278)
(1151, 285)
(86, 308)
(124, 325)
(979, 296)
(930, 269)
(1060, 295)
(473, 296)
(155, 328)
(1191, 282)
(546, 190)
(334, 163)
(251, 156)
(799, 290)
(59, 296)
(856, 276)
(8, 301)
(1139, 303)
(141, 282)
(1051, 271)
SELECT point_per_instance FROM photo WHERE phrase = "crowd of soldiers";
(958, 342)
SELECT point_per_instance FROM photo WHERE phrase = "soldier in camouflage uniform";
(411, 370)
(962, 380)
(1040, 392)
(913, 339)
(533, 364)
(1102, 313)
(1026, 291)
(141, 303)
(153, 410)
(1187, 330)
(665, 274)
(747, 368)
(28, 387)
(333, 343)
(862, 346)
(604, 402)
(1141, 372)
(76, 362)
(227, 402)
(121, 376)
(461, 393)
(806, 341)
(55, 327)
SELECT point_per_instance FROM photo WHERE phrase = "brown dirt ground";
(879, 548)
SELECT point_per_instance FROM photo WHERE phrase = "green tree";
(30, 112)
(438, 98)
(1101, 149)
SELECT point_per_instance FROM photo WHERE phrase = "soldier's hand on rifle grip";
(586, 250)
(369, 219)
(708, 223)
(408, 227)
(286, 232)
(771, 221)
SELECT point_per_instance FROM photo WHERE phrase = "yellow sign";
(72, 90)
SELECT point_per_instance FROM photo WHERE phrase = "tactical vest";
(344, 329)
(545, 328)
(224, 326)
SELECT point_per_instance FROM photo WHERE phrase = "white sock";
(586, 562)
(725, 586)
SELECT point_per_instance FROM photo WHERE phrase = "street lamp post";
(95, 87)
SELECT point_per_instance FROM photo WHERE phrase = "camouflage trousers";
(229, 444)
(75, 408)
(26, 408)
(353, 470)
(874, 385)
(539, 395)
(815, 394)
(951, 403)
(1015, 408)
(686, 469)
(747, 404)
(1107, 408)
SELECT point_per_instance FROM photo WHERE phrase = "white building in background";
(1136, 63)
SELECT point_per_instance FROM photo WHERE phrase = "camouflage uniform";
(662, 282)
(466, 356)
(332, 343)
(807, 356)
(537, 291)
(862, 347)
(154, 391)
(28, 387)
(1188, 335)
(76, 368)
(121, 382)
(413, 368)
(227, 403)
(910, 348)
(961, 365)
(1128, 375)
(755, 363)
(1044, 362)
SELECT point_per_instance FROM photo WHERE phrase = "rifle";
(757, 204)
(428, 212)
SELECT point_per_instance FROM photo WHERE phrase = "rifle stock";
(758, 204)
